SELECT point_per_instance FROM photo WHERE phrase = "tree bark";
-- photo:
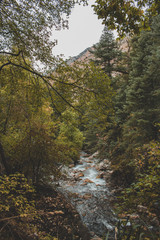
(3, 159)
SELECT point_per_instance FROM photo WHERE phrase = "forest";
(51, 110)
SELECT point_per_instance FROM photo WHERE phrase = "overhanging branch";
(12, 54)
(45, 81)
(5, 64)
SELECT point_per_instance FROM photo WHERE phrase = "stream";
(85, 187)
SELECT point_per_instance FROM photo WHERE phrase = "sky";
(84, 30)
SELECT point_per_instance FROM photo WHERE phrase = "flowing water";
(90, 195)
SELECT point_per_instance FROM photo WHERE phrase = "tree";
(106, 53)
(28, 25)
(96, 107)
(90, 93)
(27, 131)
(69, 135)
(126, 16)
(115, 63)
(22, 22)
(143, 91)
(141, 104)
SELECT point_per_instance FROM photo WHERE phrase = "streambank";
(53, 218)
(60, 219)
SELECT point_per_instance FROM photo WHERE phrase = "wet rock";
(87, 167)
(101, 175)
(85, 155)
(75, 171)
(98, 176)
(84, 183)
(77, 178)
(80, 175)
(102, 166)
(71, 183)
(89, 161)
(88, 180)
(106, 161)
(80, 162)
(71, 165)
(95, 154)
(92, 203)
(87, 196)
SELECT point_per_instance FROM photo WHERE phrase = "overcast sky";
(84, 30)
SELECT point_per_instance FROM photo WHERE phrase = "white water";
(89, 194)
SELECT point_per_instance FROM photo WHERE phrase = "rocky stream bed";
(85, 185)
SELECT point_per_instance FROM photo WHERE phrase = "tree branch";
(12, 54)
(5, 64)
(44, 80)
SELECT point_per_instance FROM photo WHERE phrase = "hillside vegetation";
(110, 103)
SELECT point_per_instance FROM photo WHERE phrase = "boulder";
(101, 175)
(80, 162)
(81, 174)
(87, 196)
(84, 183)
(102, 166)
(106, 161)
(89, 161)
(88, 181)
(71, 165)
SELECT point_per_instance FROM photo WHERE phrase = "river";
(88, 192)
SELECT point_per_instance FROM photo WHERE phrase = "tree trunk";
(3, 159)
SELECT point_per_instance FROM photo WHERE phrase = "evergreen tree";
(143, 91)
(115, 63)
(106, 52)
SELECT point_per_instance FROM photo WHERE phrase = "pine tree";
(143, 91)
(106, 52)
(115, 63)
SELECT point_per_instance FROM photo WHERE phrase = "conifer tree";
(115, 63)
(106, 52)
(143, 91)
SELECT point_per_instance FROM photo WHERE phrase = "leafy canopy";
(126, 16)
(27, 130)
(28, 25)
